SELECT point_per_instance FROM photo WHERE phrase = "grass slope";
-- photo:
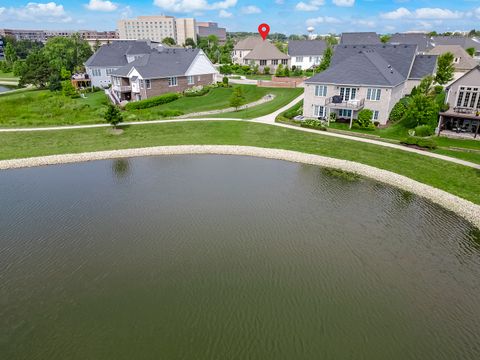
(459, 180)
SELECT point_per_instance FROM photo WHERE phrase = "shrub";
(427, 143)
(313, 124)
(196, 91)
(154, 101)
(113, 115)
(225, 81)
(438, 89)
(364, 120)
(169, 113)
(266, 70)
(423, 131)
(398, 111)
(68, 89)
(294, 111)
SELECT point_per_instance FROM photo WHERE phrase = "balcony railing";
(466, 110)
(335, 101)
(122, 88)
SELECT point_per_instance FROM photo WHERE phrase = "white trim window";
(190, 80)
(345, 113)
(348, 93)
(172, 81)
(110, 71)
(319, 111)
(148, 84)
(284, 61)
(263, 62)
(320, 90)
(373, 94)
(96, 72)
(275, 62)
(374, 115)
(299, 58)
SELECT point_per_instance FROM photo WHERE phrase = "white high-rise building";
(157, 28)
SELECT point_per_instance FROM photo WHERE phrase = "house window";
(320, 90)
(284, 61)
(375, 115)
(348, 93)
(199, 78)
(318, 111)
(344, 113)
(274, 62)
(373, 94)
(299, 59)
(96, 72)
(468, 97)
(172, 81)
(190, 80)
(310, 59)
(263, 62)
(110, 71)
(245, 62)
(148, 84)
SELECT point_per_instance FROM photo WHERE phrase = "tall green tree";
(471, 51)
(445, 68)
(113, 115)
(385, 38)
(37, 70)
(237, 99)
(168, 41)
(10, 54)
(190, 43)
(327, 57)
(67, 52)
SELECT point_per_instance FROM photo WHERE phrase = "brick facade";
(160, 86)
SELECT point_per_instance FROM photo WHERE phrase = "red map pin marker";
(263, 29)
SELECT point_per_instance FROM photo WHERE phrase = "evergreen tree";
(445, 68)
(113, 115)
(327, 57)
(237, 99)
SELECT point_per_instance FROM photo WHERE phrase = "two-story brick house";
(160, 72)
(373, 77)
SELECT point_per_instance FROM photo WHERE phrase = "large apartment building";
(211, 28)
(44, 35)
(157, 28)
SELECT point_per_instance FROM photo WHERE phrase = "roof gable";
(423, 41)
(115, 53)
(306, 47)
(248, 43)
(423, 65)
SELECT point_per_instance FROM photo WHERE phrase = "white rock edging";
(462, 207)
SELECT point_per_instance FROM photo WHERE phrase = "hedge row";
(427, 143)
(155, 101)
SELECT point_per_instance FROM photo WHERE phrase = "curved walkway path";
(462, 207)
(269, 120)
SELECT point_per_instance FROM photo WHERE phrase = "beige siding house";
(243, 47)
(463, 98)
(365, 77)
(266, 54)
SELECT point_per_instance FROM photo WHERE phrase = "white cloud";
(322, 20)
(344, 3)
(224, 14)
(193, 5)
(251, 9)
(101, 5)
(365, 23)
(476, 12)
(37, 12)
(279, 2)
(312, 5)
(422, 13)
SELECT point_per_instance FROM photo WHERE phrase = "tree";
(97, 45)
(421, 110)
(189, 42)
(19, 67)
(385, 38)
(471, 51)
(266, 70)
(327, 57)
(54, 82)
(113, 115)
(68, 89)
(237, 99)
(37, 70)
(331, 40)
(445, 68)
(280, 72)
(426, 86)
(168, 41)
(10, 54)
(67, 52)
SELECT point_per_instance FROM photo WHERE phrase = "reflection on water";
(223, 257)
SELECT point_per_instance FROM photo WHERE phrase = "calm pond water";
(221, 257)
(4, 88)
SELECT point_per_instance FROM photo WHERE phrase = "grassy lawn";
(217, 98)
(282, 98)
(459, 180)
(44, 108)
(8, 76)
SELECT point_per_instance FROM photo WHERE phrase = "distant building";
(423, 41)
(157, 28)
(305, 54)
(360, 38)
(462, 61)
(44, 35)
(265, 54)
(243, 47)
(211, 28)
(162, 71)
(464, 42)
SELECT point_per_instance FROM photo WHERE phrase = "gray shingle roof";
(465, 61)
(423, 41)
(400, 57)
(464, 42)
(366, 67)
(248, 43)
(161, 64)
(306, 47)
(423, 65)
(114, 54)
(359, 38)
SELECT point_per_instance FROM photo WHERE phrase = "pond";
(4, 88)
(229, 257)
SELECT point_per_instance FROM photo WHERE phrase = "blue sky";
(287, 16)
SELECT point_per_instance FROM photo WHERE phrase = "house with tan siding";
(360, 77)
(160, 72)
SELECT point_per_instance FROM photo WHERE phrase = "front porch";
(460, 122)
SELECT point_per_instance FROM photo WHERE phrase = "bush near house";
(154, 101)
(398, 111)
(196, 91)
(364, 120)
(426, 143)
(313, 124)
(424, 131)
